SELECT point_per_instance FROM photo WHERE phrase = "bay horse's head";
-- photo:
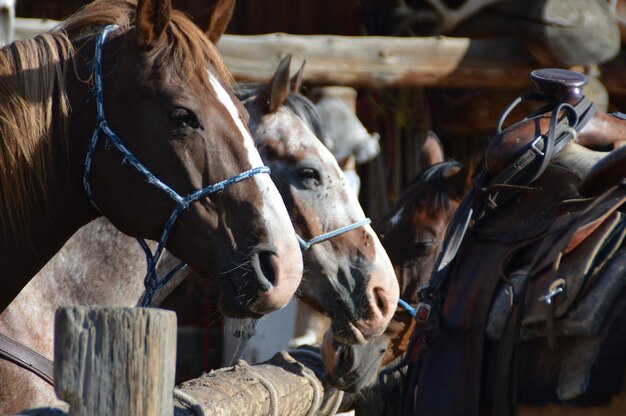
(347, 272)
(411, 232)
(167, 97)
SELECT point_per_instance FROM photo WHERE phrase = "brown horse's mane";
(33, 95)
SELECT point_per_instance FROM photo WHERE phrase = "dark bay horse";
(122, 112)
(349, 276)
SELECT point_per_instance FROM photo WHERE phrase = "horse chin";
(231, 308)
(232, 302)
(352, 367)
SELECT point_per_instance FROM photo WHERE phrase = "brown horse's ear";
(277, 90)
(215, 19)
(153, 16)
(296, 80)
(431, 153)
(461, 182)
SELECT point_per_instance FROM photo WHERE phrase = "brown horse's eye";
(424, 247)
(183, 117)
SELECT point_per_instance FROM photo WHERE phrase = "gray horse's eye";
(309, 176)
(183, 117)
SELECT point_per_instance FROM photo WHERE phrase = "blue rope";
(305, 245)
(408, 307)
(151, 280)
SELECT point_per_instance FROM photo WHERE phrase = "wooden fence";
(121, 361)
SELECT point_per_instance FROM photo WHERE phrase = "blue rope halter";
(151, 280)
(305, 245)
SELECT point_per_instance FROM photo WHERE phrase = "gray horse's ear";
(215, 19)
(277, 90)
(296, 80)
(431, 153)
(153, 16)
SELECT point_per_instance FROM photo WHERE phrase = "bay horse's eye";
(309, 176)
(183, 117)
(424, 247)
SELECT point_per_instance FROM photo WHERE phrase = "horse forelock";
(439, 200)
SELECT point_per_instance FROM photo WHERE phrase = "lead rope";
(151, 280)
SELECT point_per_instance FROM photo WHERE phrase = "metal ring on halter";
(305, 245)
(151, 281)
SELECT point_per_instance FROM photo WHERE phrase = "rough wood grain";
(242, 389)
(115, 361)
(380, 61)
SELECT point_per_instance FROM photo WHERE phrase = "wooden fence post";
(115, 361)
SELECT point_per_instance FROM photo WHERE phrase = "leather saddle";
(545, 258)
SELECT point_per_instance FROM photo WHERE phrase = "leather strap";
(26, 358)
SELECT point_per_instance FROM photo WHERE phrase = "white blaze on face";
(277, 220)
(226, 100)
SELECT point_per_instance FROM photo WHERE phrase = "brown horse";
(352, 262)
(165, 132)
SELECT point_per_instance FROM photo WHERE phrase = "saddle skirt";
(571, 258)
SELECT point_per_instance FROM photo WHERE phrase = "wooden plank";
(115, 361)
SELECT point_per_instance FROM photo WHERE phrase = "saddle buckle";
(535, 149)
(422, 312)
(557, 287)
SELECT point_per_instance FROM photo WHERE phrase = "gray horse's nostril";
(264, 263)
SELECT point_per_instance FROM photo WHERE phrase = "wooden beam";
(285, 385)
(381, 61)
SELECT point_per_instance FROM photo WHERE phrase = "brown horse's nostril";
(265, 263)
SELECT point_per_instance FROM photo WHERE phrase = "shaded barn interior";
(464, 118)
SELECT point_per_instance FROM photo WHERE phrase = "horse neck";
(98, 265)
(57, 206)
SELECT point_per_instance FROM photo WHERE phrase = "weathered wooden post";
(115, 361)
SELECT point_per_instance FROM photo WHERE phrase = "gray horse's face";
(348, 277)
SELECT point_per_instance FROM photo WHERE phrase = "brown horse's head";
(348, 276)
(167, 97)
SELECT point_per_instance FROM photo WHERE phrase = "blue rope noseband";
(305, 245)
(151, 280)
